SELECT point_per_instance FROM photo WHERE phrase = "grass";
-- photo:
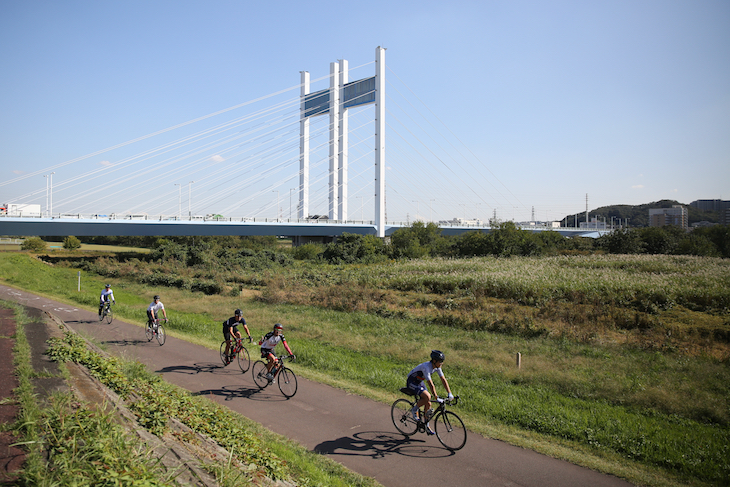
(69, 444)
(656, 416)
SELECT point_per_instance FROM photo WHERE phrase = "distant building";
(725, 217)
(677, 215)
(594, 224)
(711, 205)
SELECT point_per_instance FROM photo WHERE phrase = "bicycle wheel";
(109, 316)
(400, 413)
(160, 335)
(287, 382)
(259, 374)
(148, 332)
(244, 360)
(450, 430)
(223, 353)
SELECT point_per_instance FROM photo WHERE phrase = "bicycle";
(281, 374)
(107, 312)
(155, 330)
(236, 350)
(448, 427)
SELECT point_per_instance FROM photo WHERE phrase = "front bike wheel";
(450, 430)
(400, 413)
(160, 335)
(109, 316)
(148, 333)
(287, 382)
(259, 372)
(244, 360)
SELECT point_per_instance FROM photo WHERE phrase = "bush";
(34, 244)
(71, 243)
(308, 251)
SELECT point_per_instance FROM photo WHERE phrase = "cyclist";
(268, 342)
(230, 327)
(415, 382)
(152, 310)
(106, 295)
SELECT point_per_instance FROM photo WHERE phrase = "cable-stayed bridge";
(310, 160)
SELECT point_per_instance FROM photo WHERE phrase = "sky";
(550, 105)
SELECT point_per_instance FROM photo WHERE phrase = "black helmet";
(278, 326)
(437, 355)
(238, 312)
(156, 297)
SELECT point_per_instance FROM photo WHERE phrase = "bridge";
(299, 230)
(322, 150)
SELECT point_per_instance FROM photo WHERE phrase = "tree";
(622, 241)
(71, 243)
(34, 244)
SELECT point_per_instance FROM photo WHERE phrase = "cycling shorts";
(228, 330)
(265, 352)
(416, 385)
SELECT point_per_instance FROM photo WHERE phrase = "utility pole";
(190, 211)
(179, 200)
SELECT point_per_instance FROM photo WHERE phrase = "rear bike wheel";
(287, 382)
(160, 335)
(224, 358)
(400, 413)
(259, 372)
(450, 430)
(109, 316)
(244, 360)
(148, 332)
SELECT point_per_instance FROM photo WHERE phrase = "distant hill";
(638, 215)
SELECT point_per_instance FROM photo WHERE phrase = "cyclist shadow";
(125, 343)
(229, 393)
(197, 368)
(378, 444)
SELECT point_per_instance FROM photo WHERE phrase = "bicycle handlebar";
(453, 402)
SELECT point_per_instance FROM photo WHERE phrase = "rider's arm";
(433, 389)
(286, 345)
(446, 385)
(245, 327)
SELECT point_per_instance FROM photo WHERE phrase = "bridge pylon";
(334, 101)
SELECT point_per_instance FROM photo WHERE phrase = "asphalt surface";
(350, 429)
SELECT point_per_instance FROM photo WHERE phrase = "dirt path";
(350, 429)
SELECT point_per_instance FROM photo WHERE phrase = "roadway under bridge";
(301, 231)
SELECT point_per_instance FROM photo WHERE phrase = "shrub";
(34, 244)
(71, 243)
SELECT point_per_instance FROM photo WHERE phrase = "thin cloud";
(105, 163)
(637, 186)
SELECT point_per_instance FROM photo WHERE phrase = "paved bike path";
(350, 429)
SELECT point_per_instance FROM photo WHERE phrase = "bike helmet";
(238, 312)
(278, 326)
(108, 286)
(156, 297)
(437, 355)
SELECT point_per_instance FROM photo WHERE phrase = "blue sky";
(626, 101)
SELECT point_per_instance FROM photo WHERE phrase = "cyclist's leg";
(271, 361)
(101, 305)
(227, 338)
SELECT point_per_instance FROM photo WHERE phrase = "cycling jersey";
(230, 327)
(106, 295)
(270, 341)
